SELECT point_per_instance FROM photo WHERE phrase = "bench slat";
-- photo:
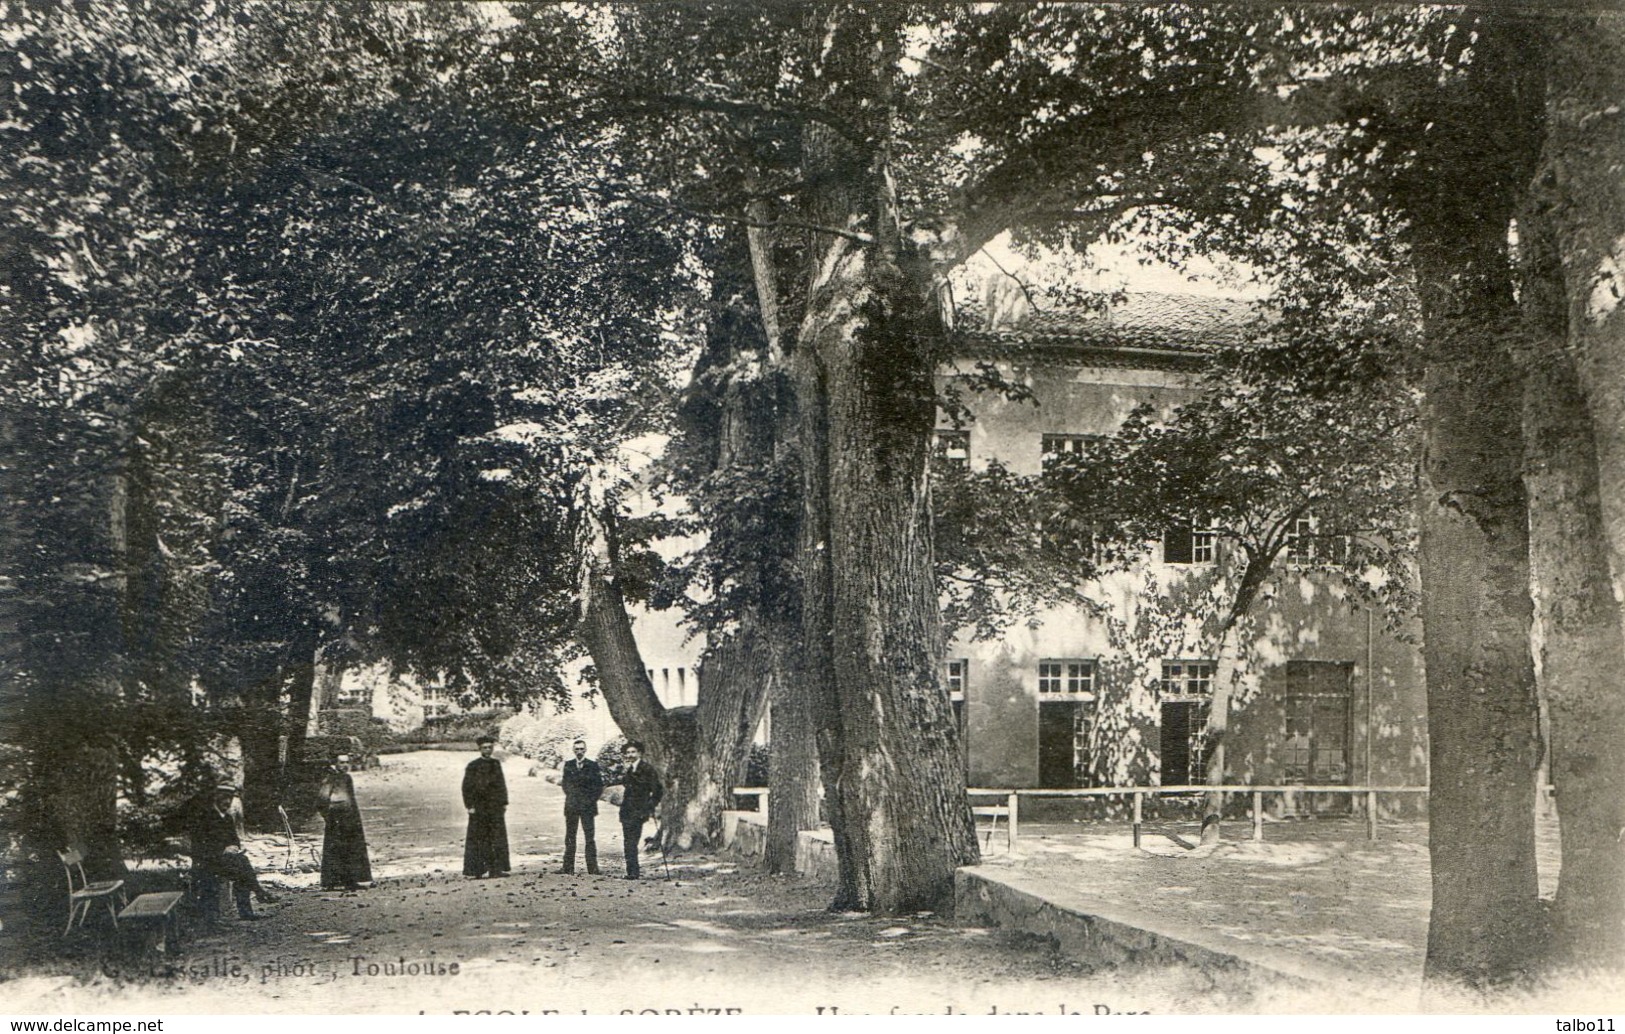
(151, 906)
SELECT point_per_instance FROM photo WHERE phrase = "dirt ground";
(1314, 889)
(712, 937)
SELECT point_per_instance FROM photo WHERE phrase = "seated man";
(217, 852)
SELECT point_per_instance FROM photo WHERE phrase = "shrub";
(609, 757)
(374, 733)
(457, 728)
(756, 764)
(543, 738)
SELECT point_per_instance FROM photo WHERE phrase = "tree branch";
(1025, 290)
(617, 101)
(745, 221)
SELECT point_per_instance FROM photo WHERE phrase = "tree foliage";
(310, 354)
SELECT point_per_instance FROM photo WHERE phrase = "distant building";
(403, 700)
(1120, 696)
(438, 701)
(671, 650)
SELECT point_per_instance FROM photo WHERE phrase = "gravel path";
(712, 937)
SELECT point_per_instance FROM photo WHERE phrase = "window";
(353, 696)
(1054, 446)
(1306, 545)
(1318, 705)
(436, 702)
(1066, 677)
(953, 448)
(1187, 678)
(1300, 540)
(672, 692)
(958, 675)
(1202, 547)
(1183, 544)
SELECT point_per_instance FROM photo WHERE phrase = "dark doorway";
(1183, 722)
(1060, 733)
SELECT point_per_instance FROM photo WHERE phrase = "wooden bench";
(1006, 811)
(156, 910)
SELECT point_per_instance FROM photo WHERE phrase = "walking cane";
(661, 835)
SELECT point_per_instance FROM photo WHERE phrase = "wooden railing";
(1010, 808)
(1139, 793)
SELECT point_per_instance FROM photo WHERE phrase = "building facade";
(1120, 694)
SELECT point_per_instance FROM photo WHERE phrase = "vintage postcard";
(716, 509)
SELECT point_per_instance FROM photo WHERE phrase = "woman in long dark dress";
(344, 845)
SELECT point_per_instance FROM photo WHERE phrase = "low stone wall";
(815, 856)
(1102, 934)
(744, 836)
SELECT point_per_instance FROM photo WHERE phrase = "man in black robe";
(485, 795)
(217, 853)
(344, 843)
(583, 781)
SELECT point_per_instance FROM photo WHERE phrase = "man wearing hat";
(485, 795)
(639, 800)
(217, 852)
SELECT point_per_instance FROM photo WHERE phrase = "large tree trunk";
(295, 723)
(900, 784)
(1476, 607)
(698, 748)
(70, 574)
(1578, 511)
(814, 675)
(1582, 182)
(738, 667)
(792, 775)
(1476, 615)
(259, 729)
(793, 771)
(894, 775)
(733, 681)
(1582, 654)
(1481, 710)
(606, 629)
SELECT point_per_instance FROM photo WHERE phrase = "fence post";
(1258, 815)
(1138, 797)
(1010, 827)
(1371, 814)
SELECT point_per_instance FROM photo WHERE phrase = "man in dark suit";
(583, 781)
(485, 795)
(641, 796)
(217, 852)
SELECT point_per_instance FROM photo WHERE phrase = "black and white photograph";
(836, 509)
